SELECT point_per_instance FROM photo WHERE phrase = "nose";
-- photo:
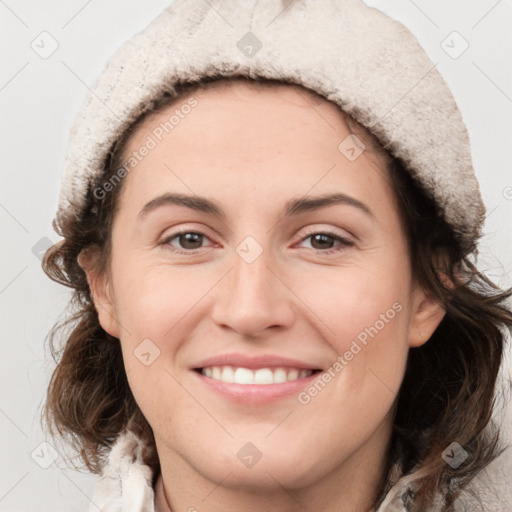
(253, 297)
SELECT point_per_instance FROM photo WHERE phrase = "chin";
(260, 470)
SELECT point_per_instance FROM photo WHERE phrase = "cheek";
(352, 300)
(152, 299)
(366, 319)
(158, 308)
(152, 306)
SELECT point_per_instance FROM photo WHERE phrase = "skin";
(251, 149)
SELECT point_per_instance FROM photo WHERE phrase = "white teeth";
(263, 376)
(293, 374)
(227, 375)
(279, 376)
(242, 375)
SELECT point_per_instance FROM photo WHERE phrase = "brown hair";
(448, 389)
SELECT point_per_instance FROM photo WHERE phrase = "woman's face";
(254, 288)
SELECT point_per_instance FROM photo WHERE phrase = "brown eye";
(321, 241)
(187, 240)
(190, 240)
(325, 242)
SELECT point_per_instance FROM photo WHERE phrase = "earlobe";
(427, 315)
(99, 285)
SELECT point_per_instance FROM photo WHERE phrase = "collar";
(126, 482)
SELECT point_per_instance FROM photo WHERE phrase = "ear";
(99, 284)
(426, 315)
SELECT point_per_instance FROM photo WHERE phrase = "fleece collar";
(125, 484)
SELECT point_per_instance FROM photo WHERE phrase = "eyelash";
(344, 242)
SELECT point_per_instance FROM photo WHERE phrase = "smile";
(240, 375)
(255, 379)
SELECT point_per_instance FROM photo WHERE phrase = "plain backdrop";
(40, 95)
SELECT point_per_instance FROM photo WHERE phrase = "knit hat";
(368, 64)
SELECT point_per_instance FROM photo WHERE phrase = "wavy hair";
(448, 390)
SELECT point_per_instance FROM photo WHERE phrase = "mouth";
(252, 380)
(262, 376)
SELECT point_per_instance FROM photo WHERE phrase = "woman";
(270, 244)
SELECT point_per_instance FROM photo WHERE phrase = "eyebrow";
(292, 207)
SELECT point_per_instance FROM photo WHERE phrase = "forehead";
(254, 108)
(243, 134)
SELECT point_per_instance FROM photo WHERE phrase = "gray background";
(39, 99)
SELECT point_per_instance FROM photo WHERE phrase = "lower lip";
(257, 393)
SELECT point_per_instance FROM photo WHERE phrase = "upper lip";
(254, 362)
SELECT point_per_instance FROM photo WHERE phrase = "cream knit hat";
(352, 54)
